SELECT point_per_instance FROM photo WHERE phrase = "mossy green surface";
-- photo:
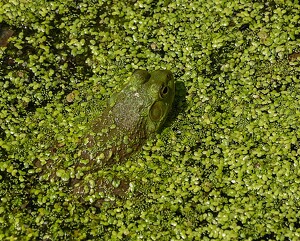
(226, 164)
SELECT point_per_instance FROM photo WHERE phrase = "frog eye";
(157, 111)
(163, 92)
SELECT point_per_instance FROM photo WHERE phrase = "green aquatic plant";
(224, 168)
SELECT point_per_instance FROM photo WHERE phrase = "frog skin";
(130, 118)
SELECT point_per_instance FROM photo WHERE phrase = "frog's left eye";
(163, 91)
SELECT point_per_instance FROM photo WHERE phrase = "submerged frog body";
(131, 116)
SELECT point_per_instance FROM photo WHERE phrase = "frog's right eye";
(163, 91)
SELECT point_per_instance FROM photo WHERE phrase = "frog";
(131, 116)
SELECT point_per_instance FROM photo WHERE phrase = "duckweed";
(224, 167)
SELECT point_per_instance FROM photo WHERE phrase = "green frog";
(130, 118)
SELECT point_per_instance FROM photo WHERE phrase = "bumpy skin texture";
(131, 116)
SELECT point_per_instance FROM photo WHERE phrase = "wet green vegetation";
(225, 166)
